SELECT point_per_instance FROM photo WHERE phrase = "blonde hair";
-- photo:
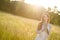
(42, 17)
(41, 22)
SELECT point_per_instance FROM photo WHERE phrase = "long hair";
(43, 12)
(42, 18)
(42, 21)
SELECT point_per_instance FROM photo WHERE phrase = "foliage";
(55, 18)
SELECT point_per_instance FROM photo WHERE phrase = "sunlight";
(45, 3)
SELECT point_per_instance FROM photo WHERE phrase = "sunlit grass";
(55, 34)
(18, 28)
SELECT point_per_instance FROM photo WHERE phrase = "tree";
(55, 10)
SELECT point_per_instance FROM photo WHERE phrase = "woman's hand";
(39, 26)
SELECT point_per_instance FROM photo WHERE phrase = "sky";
(45, 3)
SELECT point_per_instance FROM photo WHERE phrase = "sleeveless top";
(43, 27)
(48, 27)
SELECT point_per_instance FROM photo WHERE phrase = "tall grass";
(18, 28)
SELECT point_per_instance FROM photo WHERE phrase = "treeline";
(55, 18)
(7, 6)
(4, 5)
(21, 9)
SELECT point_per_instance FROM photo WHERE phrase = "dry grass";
(18, 28)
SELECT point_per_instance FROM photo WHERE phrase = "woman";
(43, 28)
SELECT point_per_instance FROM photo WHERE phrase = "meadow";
(14, 27)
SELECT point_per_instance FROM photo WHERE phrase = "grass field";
(18, 28)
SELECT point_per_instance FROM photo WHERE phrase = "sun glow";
(45, 3)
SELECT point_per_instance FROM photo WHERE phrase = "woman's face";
(45, 17)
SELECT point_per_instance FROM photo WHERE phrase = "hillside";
(14, 27)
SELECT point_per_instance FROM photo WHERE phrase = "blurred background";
(19, 18)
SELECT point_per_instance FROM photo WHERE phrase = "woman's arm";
(39, 27)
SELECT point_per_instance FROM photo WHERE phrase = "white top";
(48, 27)
(43, 26)
(42, 35)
